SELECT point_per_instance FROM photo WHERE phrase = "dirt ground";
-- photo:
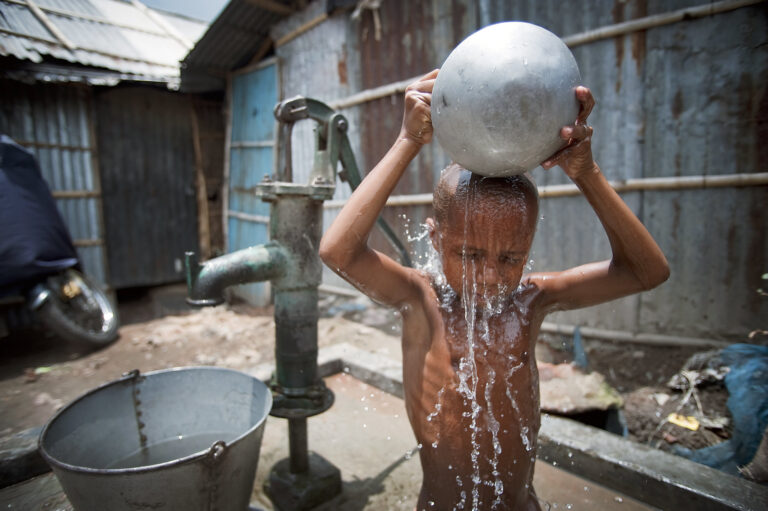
(39, 374)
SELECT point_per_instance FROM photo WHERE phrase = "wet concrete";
(367, 435)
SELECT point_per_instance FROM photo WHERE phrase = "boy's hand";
(417, 119)
(576, 157)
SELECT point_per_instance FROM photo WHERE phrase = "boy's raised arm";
(344, 247)
(637, 263)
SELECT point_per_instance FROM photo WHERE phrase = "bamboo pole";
(227, 159)
(158, 20)
(82, 16)
(594, 333)
(372, 94)
(290, 36)
(656, 20)
(639, 338)
(95, 242)
(588, 36)
(272, 6)
(76, 194)
(203, 219)
(48, 24)
(630, 185)
(257, 219)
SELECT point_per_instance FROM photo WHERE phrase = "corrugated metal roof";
(232, 39)
(129, 39)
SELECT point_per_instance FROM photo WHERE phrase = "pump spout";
(206, 282)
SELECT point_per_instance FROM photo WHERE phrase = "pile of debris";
(713, 411)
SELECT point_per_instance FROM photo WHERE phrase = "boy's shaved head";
(459, 189)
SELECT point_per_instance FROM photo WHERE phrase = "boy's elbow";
(326, 252)
(331, 255)
(658, 276)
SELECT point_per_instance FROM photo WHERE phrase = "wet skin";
(471, 392)
(468, 345)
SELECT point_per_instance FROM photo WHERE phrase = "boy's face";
(485, 250)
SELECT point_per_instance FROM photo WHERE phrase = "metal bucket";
(175, 439)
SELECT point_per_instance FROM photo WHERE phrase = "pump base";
(304, 491)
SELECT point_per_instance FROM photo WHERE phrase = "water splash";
(468, 366)
(409, 453)
(435, 413)
(485, 368)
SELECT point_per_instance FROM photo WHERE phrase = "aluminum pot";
(186, 438)
(502, 96)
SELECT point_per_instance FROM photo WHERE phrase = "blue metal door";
(251, 155)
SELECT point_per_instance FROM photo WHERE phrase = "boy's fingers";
(554, 159)
(587, 103)
(573, 142)
(422, 86)
(417, 95)
(575, 133)
(426, 82)
(426, 85)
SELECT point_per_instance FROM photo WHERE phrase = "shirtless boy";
(469, 373)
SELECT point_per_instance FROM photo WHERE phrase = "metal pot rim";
(159, 466)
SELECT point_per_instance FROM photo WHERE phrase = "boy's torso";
(471, 392)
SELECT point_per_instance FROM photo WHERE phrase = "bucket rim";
(56, 463)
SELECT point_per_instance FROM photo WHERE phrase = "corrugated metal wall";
(54, 121)
(147, 162)
(687, 98)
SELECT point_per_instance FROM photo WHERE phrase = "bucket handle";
(217, 449)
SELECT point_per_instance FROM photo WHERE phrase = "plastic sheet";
(34, 241)
(747, 384)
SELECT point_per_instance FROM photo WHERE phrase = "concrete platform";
(366, 434)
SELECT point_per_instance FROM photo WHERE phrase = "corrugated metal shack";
(679, 127)
(91, 87)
